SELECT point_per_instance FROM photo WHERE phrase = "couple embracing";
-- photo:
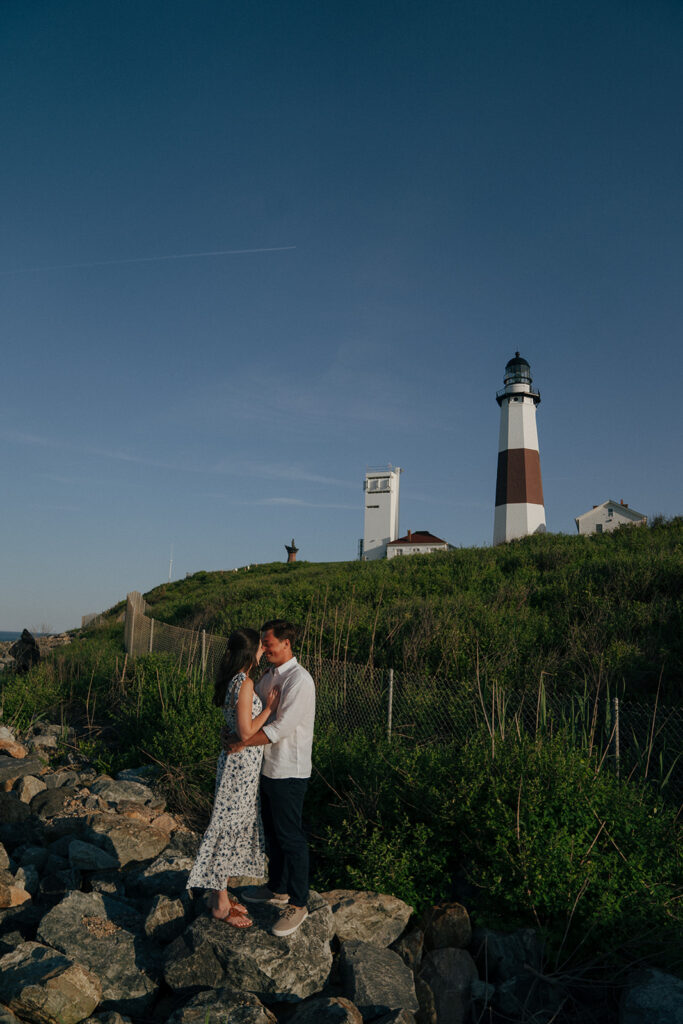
(262, 777)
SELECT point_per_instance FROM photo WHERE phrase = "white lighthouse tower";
(519, 491)
(381, 488)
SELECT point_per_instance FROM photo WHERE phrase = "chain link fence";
(635, 739)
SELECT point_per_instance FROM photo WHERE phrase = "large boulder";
(447, 926)
(333, 1010)
(652, 996)
(106, 935)
(123, 791)
(88, 857)
(126, 840)
(12, 810)
(450, 974)
(376, 980)
(213, 954)
(166, 874)
(513, 962)
(13, 768)
(39, 984)
(223, 1006)
(367, 916)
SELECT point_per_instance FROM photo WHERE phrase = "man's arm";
(231, 742)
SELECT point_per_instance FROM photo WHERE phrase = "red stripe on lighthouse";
(518, 480)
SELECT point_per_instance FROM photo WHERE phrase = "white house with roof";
(607, 517)
(419, 543)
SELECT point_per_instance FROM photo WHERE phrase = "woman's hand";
(273, 699)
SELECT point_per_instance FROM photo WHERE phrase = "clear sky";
(421, 189)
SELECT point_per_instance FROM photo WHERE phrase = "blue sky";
(440, 184)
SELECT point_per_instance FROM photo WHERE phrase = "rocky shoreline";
(96, 925)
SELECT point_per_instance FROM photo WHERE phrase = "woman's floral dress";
(233, 844)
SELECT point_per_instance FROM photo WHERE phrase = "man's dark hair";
(282, 629)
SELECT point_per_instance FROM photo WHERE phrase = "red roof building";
(421, 542)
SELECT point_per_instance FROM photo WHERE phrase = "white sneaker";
(289, 920)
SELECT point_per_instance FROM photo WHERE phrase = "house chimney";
(291, 550)
(410, 535)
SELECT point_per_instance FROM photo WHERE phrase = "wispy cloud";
(147, 259)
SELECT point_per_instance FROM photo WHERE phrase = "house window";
(610, 513)
(598, 527)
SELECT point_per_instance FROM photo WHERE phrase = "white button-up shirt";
(290, 729)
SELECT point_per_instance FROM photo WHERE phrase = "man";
(288, 739)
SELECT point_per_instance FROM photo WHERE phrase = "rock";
(211, 953)
(145, 773)
(4, 857)
(166, 822)
(447, 926)
(222, 1006)
(12, 748)
(10, 768)
(44, 743)
(50, 802)
(450, 974)
(28, 787)
(12, 892)
(62, 777)
(396, 1017)
(513, 962)
(28, 878)
(106, 935)
(336, 1010)
(87, 857)
(7, 1017)
(109, 883)
(12, 810)
(23, 919)
(376, 980)
(124, 791)
(40, 984)
(54, 886)
(112, 1017)
(6, 734)
(425, 997)
(25, 652)
(409, 947)
(33, 856)
(126, 840)
(167, 874)
(652, 996)
(367, 916)
(167, 919)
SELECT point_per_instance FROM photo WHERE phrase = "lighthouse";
(519, 491)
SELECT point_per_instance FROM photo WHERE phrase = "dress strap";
(232, 686)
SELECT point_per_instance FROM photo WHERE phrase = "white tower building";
(519, 491)
(381, 488)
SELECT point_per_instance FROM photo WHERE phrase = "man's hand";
(230, 741)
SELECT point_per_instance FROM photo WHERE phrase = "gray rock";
(167, 919)
(223, 1006)
(447, 926)
(12, 810)
(42, 985)
(4, 857)
(43, 743)
(167, 874)
(106, 935)
(144, 774)
(7, 1017)
(54, 886)
(396, 1017)
(7, 734)
(336, 1010)
(87, 857)
(27, 787)
(55, 780)
(33, 856)
(653, 997)
(109, 883)
(51, 801)
(376, 980)
(213, 954)
(112, 1017)
(127, 840)
(425, 997)
(29, 878)
(513, 962)
(409, 947)
(121, 792)
(450, 974)
(367, 916)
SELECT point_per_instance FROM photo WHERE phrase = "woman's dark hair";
(239, 657)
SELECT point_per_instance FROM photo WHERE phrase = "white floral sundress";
(233, 844)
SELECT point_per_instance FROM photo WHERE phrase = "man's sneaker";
(290, 919)
(262, 894)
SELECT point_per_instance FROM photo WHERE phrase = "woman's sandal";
(234, 918)
(236, 905)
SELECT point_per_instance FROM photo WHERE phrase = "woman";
(233, 843)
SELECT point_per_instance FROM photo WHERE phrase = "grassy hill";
(604, 611)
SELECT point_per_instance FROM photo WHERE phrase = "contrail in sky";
(147, 259)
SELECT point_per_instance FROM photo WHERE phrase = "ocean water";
(8, 636)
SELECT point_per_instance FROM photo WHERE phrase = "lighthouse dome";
(517, 371)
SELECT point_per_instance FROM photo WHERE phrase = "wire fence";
(635, 739)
